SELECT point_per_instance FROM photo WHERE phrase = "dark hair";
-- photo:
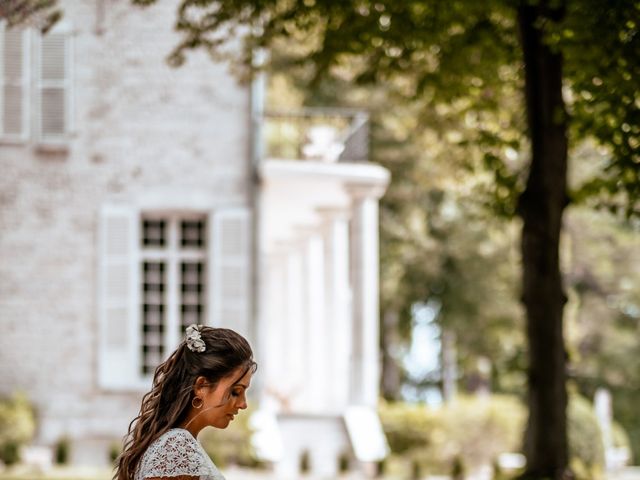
(169, 401)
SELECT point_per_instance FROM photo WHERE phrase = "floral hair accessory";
(194, 339)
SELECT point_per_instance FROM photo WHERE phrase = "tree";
(42, 13)
(443, 49)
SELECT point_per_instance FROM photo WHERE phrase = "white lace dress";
(176, 453)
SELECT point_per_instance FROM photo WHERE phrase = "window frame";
(172, 254)
(32, 87)
(41, 139)
(227, 259)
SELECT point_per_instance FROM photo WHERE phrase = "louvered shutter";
(54, 69)
(230, 272)
(14, 75)
(119, 362)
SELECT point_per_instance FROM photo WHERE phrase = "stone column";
(274, 333)
(338, 306)
(365, 284)
(296, 369)
(317, 383)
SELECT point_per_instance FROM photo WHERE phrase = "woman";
(202, 383)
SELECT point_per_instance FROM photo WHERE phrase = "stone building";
(136, 199)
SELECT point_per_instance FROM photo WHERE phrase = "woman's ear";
(200, 383)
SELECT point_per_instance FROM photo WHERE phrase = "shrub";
(114, 451)
(305, 462)
(10, 452)
(17, 426)
(62, 450)
(456, 437)
(586, 449)
(472, 431)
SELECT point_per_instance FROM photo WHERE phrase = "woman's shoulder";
(173, 436)
(176, 452)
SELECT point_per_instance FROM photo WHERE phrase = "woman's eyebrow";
(241, 385)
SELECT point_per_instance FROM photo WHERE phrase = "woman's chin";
(223, 422)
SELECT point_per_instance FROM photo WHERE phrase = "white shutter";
(119, 362)
(230, 270)
(14, 76)
(54, 80)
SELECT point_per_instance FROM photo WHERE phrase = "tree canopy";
(41, 13)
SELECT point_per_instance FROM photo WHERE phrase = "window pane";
(12, 55)
(12, 113)
(192, 233)
(192, 294)
(53, 58)
(154, 233)
(53, 111)
(153, 314)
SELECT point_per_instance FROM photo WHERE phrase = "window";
(35, 76)
(14, 75)
(160, 271)
(173, 263)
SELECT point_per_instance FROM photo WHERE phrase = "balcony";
(326, 135)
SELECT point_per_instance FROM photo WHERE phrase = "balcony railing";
(319, 134)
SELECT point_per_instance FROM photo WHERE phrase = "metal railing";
(321, 134)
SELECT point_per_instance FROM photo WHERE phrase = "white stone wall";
(141, 130)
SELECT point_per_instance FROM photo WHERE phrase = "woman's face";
(226, 398)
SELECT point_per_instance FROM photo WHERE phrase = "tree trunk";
(540, 207)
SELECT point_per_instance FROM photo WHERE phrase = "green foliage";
(10, 453)
(585, 439)
(231, 446)
(601, 50)
(458, 469)
(62, 451)
(41, 13)
(620, 437)
(603, 313)
(462, 435)
(115, 449)
(461, 55)
(473, 431)
(17, 426)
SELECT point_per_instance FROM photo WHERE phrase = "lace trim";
(176, 453)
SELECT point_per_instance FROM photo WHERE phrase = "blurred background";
(339, 182)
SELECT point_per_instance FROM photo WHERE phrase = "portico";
(319, 245)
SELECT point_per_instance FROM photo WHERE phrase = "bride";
(203, 383)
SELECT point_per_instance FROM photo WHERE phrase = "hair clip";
(194, 339)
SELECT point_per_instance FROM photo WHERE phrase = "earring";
(197, 402)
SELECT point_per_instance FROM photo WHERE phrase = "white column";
(338, 306)
(296, 365)
(315, 320)
(364, 274)
(274, 333)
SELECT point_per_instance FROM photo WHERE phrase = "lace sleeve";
(174, 454)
